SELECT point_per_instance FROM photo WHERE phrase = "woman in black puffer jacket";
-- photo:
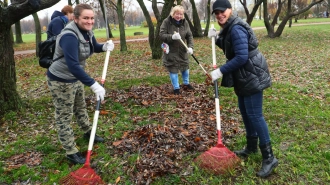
(247, 71)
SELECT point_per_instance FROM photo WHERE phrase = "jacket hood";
(56, 14)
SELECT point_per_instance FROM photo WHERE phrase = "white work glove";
(190, 51)
(212, 33)
(176, 36)
(108, 46)
(98, 90)
(216, 74)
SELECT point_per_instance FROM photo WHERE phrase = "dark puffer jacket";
(247, 72)
(177, 58)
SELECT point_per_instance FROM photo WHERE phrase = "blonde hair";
(177, 8)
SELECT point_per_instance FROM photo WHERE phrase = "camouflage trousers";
(69, 100)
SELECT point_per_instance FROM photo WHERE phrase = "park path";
(144, 39)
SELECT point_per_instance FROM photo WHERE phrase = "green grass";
(296, 108)
(101, 33)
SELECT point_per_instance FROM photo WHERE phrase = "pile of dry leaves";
(161, 147)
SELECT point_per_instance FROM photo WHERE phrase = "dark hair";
(79, 8)
(67, 9)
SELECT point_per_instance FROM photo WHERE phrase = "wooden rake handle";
(184, 44)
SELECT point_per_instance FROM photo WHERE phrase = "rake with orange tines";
(218, 159)
(86, 175)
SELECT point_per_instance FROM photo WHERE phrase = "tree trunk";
(260, 12)
(123, 45)
(156, 49)
(38, 31)
(250, 16)
(107, 26)
(9, 97)
(18, 33)
(151, 27)
(287, 17)
(269, 27)
(197, 28)
(12, 35)
(208, 18)
(290, 22)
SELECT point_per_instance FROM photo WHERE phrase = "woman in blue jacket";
(247, 71)
(59, 20)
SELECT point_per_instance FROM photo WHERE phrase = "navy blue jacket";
(246, 68)
(57, 23)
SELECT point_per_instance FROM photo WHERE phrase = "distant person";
(67, 77)
(59, 20)
(173, 28)
(246, 70)
(327, 14)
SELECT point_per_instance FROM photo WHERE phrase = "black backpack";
(47, 50)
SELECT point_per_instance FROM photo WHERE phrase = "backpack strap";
(64, 21)
(78, 42)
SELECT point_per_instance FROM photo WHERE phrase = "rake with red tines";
(218, 159)
(86, 175)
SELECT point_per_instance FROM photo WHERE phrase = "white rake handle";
(97, 111)
(217, 102)
(213, 50)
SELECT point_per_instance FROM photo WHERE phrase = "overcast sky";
(62, 3)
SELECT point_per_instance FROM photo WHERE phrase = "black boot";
(76, 158)
(97, 138)
(251, 147)
(269, 162)
(176, 91)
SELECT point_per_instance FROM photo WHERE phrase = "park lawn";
(100, 34)
(296, 108)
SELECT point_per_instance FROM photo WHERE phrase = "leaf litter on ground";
(162, 146)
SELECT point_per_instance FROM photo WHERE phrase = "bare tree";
(121, 21)
(202, 9)
(154, 40)
(208, 13)
(103, 9)
(195, 25)
(9, 15)
(149, 22)
(38, 30)
(289, 13)
(18, 32)
(250, 15)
